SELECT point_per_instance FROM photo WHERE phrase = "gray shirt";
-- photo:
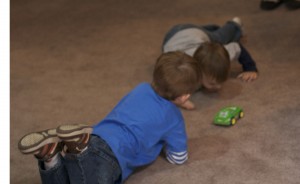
(188, 40)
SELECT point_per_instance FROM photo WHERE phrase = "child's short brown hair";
(175, 74)
(214, 61)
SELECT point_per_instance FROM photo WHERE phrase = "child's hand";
(248, 76)
(188, 105)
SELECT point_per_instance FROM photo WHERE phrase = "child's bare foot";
(188, 105)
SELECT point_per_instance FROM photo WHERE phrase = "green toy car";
(228, 116)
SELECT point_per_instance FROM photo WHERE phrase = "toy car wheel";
(233, 121)
(241, 115)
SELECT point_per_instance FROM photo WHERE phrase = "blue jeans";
(230, 32)
(97, 164)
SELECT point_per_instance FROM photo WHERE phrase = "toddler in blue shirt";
(144, 123)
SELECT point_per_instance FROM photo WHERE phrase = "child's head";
(214, 63)
(175, 74)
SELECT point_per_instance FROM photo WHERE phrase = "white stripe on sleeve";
(177, 157)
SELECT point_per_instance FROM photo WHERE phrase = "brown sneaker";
(75, 137)
(43, 145)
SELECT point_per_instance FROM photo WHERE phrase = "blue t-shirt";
(139, 127)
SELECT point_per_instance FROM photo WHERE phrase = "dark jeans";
(229, 32)
(97, 164)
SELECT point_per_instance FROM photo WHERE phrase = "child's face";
(210, 83)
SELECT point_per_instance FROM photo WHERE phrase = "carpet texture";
(72, 61)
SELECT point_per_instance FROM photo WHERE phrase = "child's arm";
(176, 144)
(249, 67)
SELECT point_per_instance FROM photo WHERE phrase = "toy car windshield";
(228, 116)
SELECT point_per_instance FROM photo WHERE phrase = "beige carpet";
(72, 61)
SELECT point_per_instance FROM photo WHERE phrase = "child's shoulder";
(143, 86)
(141, 89)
